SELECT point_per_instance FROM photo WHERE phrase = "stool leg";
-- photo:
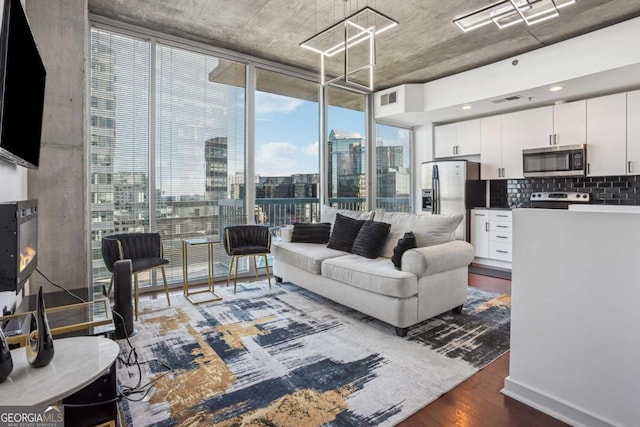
(255, 267)
(230, 268)
(166, 287)
(235, 277)
(135, 293)
(266, 266)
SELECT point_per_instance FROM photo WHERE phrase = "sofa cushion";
(328, 214)
(408, 241)
(305, 256)
(428, 229)
(345, 230)
(374, 275)
(311, 233)
(370, 239)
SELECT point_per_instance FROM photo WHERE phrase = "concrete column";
(61, 30)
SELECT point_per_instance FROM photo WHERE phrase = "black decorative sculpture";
(39, 341)
(6, 363)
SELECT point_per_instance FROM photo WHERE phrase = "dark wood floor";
(478, 402)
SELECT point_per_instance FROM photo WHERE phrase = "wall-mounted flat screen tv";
(22, 82)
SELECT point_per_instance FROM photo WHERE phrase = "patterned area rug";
(287, 357)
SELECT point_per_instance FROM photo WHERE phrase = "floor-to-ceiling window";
(168, 157)
(169, 149)
(199, 144)
(347, 148)
(393, 149)
(119, 138)
(287, 174)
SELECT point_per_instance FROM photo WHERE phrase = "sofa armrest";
(438, 258)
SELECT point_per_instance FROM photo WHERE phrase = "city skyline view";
(172, 158)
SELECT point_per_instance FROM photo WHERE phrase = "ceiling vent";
(389, 98)
(508, 99)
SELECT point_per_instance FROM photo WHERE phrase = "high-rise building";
(215, 156)
(347, 164)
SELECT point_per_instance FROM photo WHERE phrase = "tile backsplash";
(607, 190)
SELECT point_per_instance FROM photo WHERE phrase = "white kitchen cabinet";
(607, 135)
(532, 128)
(457, 139)
(444, 140)
(491, 234)
(569, 123)
(633, 133)
(500, 235)
(491, 147)
(515, 127)
(480, 232)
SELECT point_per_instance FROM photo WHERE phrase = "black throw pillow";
(408, 241)
(311, 233)
(345, 231)
(370, 239)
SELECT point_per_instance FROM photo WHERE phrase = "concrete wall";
(61, 30)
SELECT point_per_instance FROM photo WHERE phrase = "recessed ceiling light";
(555, 88)
(466, 107)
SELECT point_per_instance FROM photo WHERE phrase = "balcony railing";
(272, 212)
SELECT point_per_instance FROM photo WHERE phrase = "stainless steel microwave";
(567, 160)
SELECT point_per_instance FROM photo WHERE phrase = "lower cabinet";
(491, 234)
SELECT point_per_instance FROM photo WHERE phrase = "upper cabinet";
(491, 144)
(607, 135)
(569, 123)
(529, 129)
(457, 139)
(402, 104)
(633, 133)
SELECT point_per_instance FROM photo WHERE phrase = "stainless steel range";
(558, 199)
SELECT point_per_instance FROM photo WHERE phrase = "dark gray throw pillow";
(408, 241)
(345, 231)
(370, 239)
(311, 233)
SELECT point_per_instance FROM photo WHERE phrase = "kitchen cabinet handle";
(555, 139)
(502, 252)
(588, 168)
(501, 226)
(550, 139)
(479, 214)
(502, 237)
(502, 216)
(629, 167)
(503, 172)
(486, 226)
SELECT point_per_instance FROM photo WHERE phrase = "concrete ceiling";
(425, 46)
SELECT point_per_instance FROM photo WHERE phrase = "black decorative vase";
(39, 341)
(6, 363)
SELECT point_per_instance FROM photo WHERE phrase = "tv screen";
(22, 82)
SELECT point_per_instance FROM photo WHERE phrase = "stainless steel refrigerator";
(450, 187)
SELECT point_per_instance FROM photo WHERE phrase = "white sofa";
(433, 278)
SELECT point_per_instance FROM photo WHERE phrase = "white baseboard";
(560, 410)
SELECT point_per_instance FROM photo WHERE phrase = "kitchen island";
(575, 346)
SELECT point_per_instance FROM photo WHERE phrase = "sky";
(287, 133)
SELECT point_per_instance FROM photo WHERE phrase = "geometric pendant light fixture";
(347, 48)
(510, 12)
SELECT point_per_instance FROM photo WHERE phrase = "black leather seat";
(247, 240)
(143, 249)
